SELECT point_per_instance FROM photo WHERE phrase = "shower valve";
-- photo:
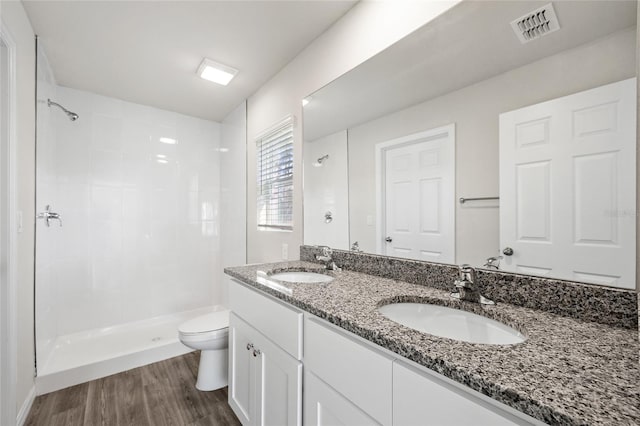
(48, 215)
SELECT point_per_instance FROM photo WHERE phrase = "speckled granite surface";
(568, 371)
(605, 305)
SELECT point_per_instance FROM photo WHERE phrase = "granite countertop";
(568, 371)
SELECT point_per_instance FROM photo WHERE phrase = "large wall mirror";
(502, 130)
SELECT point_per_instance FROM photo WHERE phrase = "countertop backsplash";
(605, 305)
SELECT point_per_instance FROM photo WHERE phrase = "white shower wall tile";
(46, 180)
(106, 133)
(73, 164)
(72, 241)
(141, 220)
(106, 167)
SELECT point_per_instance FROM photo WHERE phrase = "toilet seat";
(209, 326)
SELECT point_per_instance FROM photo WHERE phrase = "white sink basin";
(302, 277)
(451, 323)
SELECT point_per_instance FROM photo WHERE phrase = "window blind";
(275, 176)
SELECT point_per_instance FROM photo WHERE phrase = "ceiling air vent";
(536, 24)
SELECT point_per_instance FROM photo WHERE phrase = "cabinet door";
(241, 371)
(279, 386)
(424, 399)
(324, 406)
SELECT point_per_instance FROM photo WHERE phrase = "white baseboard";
(26, 407)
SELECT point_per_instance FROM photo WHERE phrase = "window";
(275, 176)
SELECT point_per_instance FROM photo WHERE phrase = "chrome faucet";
(327, 259)
(465, 287)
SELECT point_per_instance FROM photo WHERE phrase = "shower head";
(72, 115)
(319, 161)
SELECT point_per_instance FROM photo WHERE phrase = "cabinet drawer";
(419, 396)
(282, 323)
(356, 371)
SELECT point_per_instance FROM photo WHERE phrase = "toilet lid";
(206, 323)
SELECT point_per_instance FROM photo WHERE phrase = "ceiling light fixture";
(216, 72)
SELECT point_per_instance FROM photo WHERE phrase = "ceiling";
(469, 43)
(148, 52)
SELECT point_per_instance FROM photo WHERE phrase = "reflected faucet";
(465, 287)
(493, 262)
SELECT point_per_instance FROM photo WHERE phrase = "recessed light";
(216, 72)
(169, 141)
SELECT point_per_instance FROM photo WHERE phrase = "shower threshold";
(81, 357)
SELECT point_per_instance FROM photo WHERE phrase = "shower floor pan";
(89, 355)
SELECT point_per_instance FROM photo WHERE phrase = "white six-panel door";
(567, 186)
(417, 175)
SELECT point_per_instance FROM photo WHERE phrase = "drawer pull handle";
(256, 352)
(249, 346)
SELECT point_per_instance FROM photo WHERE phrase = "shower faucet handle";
(48, 215)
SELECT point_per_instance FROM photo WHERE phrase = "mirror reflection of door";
(567, 186)
(416, 205)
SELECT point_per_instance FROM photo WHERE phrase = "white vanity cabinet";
(265, 380)
(347, 379)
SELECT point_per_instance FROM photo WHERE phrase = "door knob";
(256, 352)
(249, 346)
(388, 239)
(508, 251)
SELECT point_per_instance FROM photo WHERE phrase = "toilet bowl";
(209, 334)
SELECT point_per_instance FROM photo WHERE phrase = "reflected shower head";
(72, 115)
(319, 161)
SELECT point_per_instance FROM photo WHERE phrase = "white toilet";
(209, 333)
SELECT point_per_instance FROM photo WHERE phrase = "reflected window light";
(223, 149)
(206, 211)
(169, 141)
(162, 160)
(208, 229)
(306, 101)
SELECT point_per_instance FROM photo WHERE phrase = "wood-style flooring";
(159, 394)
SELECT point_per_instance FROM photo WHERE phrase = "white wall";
(233, 196)
(475, 110)
(141, 218)
(365, 30)
(326, 189)
(15, 18)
